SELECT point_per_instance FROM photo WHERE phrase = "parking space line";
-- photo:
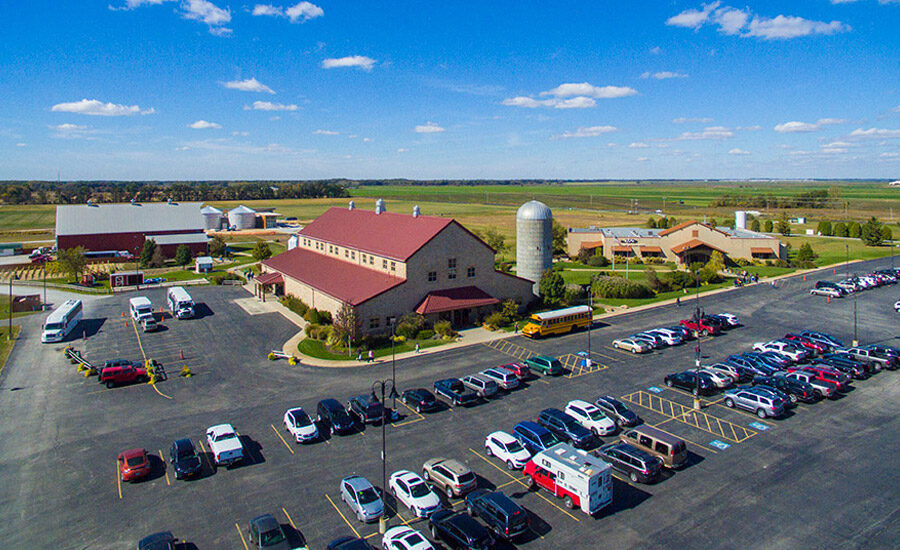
(350, 525)
(118, 479)
(508, 483)
(281, 438)
(688, 415)
(140, 345)
(288, 516)
(523, 484)
(704, 447)
(165, 470)
(407, 422)
(396, 513)
(753, 416)
(243, 540)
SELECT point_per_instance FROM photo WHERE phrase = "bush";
(840, 229)
(323, 333)
(218, 278)
(767, 226)
(426, 334)
(824, 228)
(312, 330)
(854, 230)
(312, 316)
(409, 325)
(295, 304)
(617, 287)
(445, 329)
(598, 260)
(805, 253)
(325, 316)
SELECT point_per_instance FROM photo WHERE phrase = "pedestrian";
(371, 356)
(417, 347)
(516, 327)
(359, 357)
(678, 301)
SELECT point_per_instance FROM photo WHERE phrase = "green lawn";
(6, 345)
(317, 349)
(685, 298)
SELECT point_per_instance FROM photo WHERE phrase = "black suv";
(365, 410)
(331, 416)
(854, 369)
(687, 380)
(459, 530)
(796, 390)
(420, 399)
(184, 459)
(615, 409)
(503, 516)
(566, 428)
(640, 466)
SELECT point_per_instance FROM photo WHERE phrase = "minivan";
(534, 437)
(672, 450)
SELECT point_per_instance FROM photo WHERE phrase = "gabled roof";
(689, 223)
(388, 234)
(83, 219)
(455, 298)
(344, 281)
(691, 244)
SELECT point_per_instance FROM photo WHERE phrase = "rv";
(180, 303)
(61, 322)
(575, 476)
(141, 308)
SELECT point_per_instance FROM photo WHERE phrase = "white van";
(180, 303)
(141, 308)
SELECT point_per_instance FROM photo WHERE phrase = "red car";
(825, 374)
(806, 342)
(112, 376)
(41, 259)
(702, 326)
(134, 464)
(521, 371)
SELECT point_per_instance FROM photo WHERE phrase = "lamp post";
(383, 384)
(855, 292)
(393, 364)
(697, 314)
(9, 332)
(44, 271)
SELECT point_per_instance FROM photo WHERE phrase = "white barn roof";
(82, 219)
(180, 238)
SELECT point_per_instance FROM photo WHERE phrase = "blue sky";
(217, 89)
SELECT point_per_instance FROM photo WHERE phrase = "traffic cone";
(182, 355)
(828, 299)
(804, 277)
(123, 314)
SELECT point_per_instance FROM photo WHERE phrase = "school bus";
(559, 321)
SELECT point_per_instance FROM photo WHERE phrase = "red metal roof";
(692, 244)
(342, 280)
(388, 234)
(269, 278)
(621, 248)
(455, 298)
(761, 250)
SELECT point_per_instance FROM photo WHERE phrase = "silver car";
(480, 385)
(762, 404)
(362, 498)
(504, 378)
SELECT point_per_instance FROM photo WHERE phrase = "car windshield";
(53, 326)
(419, 490)
(135, 461)
(300, 419)
(548, 439)
(225, 436)
(616, 406)
(367, 495)
(596, 415)
(184, 453)
(513, 446)
(413, 539)
(271, 538)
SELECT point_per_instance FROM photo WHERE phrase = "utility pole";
(697, 350)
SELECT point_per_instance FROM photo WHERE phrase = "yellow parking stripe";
(350, 525)
(140, 345)
(281, 438)
(406, 422)
(288, 516)
(118, 479)
(689, 416)
(165, 470)
(243, 540)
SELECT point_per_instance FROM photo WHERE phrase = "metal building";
(212, 217)
(242, 218)
(534, 241)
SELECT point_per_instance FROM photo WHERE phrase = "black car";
(365, 410)
(330, 415)
(458, 530)
(266, 532)
(685, 333)
(349, 543)
(835, 359)
(688, 381)
(615, 409)
(796, 390)
(854, 369)
(185, 461)
(566, 428)
(640, 466)
(158, 541)
(419, 399)
(503, 516)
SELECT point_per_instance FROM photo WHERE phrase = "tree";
(182, 255)
(261, 251)
(713, 222)
(347, 323)
(854, 230)
(870, 233)
(783, 226)
(840, 229)
(767, 226)
(716, 261)
(552, 288)
(886, 233)
(824, 228)
(805, 253)
(651, 223)
(494, 239)
(157, 260)
(671, 222)
(147, 252)
(754, 225)
(72, 261)
(559, 238)
(652, 279)
(217, 247)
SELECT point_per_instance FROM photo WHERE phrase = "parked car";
(134, 464)
(793, 352)
(719, 380)
(266, 532)
(505, 379)
(651, 340)
(507, 448)
(543, 364)
(331, 417)
(459, 530)
(362, 498)
(225, 445)
(897, 306)
(615, 409)
(830, 292)
(638, 465)
(503, 516)
(534, 437)
(668, 337)
(823, 337)
(483, 387)
(566, 428)
(730, 318)
(300, 426)
(771, 358)
(453, 390)
(591, 417)
(873, 356)
(365, 409)
(412, 491)
(702, 326)
(449, 475)
(114, 376)
(839, 360)
(349, 543)
(823, 388)
(852, 368)
(184, 459)
(761, 405)
(521, 370)
(808, 343)
(796, 390)
(886, 352)
(403, 537)
(158, 541)
(689, 381)
(631, 344)
(419, 399)
(826, 374)
(737, 373)
(685, 333)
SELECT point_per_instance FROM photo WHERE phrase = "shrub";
(584, 255)
(840, 229)
(312, 316)
(780, 263)
(218, 278)
(805, 253)
(824, 228)
(854, 230)
(311, 330)
(767, 226)
(323, 333)
(295, 304)
(409, 325)
(617, 287)
(426, 334)
(186, 371)
(598, 260)
(325, 316)
(444, 328)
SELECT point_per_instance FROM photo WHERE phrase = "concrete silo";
(212, 217)
(534, 241)
(740, 219)
(242, 217)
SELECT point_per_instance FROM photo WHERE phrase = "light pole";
(382, 523)
(855, 292)
(698, 315)
(393, 364)
(44, 270)
(9, 332)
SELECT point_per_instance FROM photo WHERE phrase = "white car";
(300, 426)
(792, 352)
(404, 538)
(731, 318)
(725, 369)
(508, 449)
(719, 379)
(897, 306)
(504, 378)
(410, 489)
(631, 344)
(591, 417)
(668, 337)
(826, 291)
(224, 444)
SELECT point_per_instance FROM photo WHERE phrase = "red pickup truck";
(122, 375)
(702, 326)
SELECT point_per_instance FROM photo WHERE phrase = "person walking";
(417, 347)
(359, 357)
(678, 301)
(371, 356)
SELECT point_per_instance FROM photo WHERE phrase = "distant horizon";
(458, 181)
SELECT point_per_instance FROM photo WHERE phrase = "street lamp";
(698, 315)
(12, 278)
(855, 292)
(383, 384)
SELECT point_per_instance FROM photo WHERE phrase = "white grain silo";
(740, 219)
(534, 241)
(242, 217)
(212, 217)
(293, 242)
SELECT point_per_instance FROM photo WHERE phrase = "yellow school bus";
(560, 321)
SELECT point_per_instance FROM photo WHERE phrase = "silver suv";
(452, 476)
(759, 403)
(480, 385)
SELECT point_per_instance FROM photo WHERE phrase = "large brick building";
(387, 264)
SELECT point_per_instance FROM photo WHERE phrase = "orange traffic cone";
(828, 299)
(182, 355)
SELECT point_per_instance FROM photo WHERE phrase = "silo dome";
(534, 241)
(212, 217)
(242, 217)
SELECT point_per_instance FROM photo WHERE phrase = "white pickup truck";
(224, 444)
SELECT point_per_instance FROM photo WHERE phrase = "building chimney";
(379, 206)
(416, 212)
(351, 206)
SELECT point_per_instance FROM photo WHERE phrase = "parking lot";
(820, 476)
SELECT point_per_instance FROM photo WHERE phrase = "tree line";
(818, 198)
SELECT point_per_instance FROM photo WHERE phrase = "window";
(470, 272)
(383, 264)
(374, 322)
(451, 274)
(330, 249)
(371, 260)
(353, 255)
(393, 266)
(346, 253)
(363, 257)
(662, 448)
(432, 276)
(451, 263)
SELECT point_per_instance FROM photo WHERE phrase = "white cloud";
(656, 50)
(72, 131)
(205, 11)
(220, 31)
(368, 140)
(20, 144)
(361, 61)
(402, 150)
(896, 109)
(783, 27)
(638, 145)
(642, 159)
(711, 132)
(736, 22)
(298, 13)
(737, 151)
(731, 20)
(682, 120)
(98, 108)
(693, 19)
(833, 150)
(882, 155)
(796, 126)
(183, 148)
(326, 132)
(429, 128)
(663, 75)
(589, 131)
(247, 85)
(588, 90)
(204, 125)
(266, 9)
(579, 102)
(68, 127)
(875, 133)
(749, 128)
(269, 106)
(132, 4)
(839, 144)
(245, 134)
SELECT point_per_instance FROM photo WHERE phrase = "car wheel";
(761, 413)
(529, 483)
(434, 533)
(425, 475)
(729, 402)
(704, 333)
(470, 510)
(405, 399)
(488, 450)
(109, 384)
(620, 423)
(633, 350)
(449, 491)
(510, 465)
(695, 391)
(568, 503)
(793, 398)
(596, 432)
(332, 430)
(360, 518)
(419, 408)
(669, 383)
(633, 477)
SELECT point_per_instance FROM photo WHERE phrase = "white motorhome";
(61, 322)
(141, 308)
(573, 475)
(180, 303)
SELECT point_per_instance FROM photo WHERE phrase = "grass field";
(6, 345)
(317, 349)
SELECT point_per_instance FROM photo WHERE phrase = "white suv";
(591, 417)
(508, 449)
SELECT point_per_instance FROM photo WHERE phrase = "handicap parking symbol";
(719, 445)
(654, 389)
(759, 426)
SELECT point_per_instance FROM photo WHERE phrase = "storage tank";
(242, 217)
(534, 241)
(212, 217)
(293, 242)
(740, 219)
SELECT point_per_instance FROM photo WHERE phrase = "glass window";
(432, 276)
(470, 272)
(451, 274)
(662, 448)
(383, 264)
(374, 322)
(393, 266)
(451, 263)
(371, 260)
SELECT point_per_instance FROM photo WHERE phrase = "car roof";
(630, 449)
(532, 427)
(358, 483)
(221, 428)
(502, 501)
(331, 404)
(582, 404)
(184, 442)
(550, 411)
(156, 538)
(265, 522)
(455, 466)
(132, 453)
(502, 436)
